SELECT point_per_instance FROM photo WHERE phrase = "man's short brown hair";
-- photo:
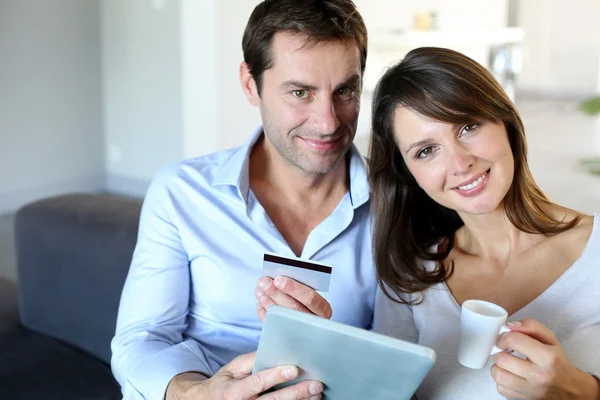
(317, 20)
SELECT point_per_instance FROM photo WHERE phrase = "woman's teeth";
(473, 184)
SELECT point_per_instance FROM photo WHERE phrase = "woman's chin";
(481, 207)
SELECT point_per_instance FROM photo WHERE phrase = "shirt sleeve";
(148, 349)
(394, 319)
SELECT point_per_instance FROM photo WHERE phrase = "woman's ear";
(249, 84)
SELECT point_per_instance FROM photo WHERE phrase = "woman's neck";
(492, 236)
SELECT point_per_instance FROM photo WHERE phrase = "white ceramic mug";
(480, 324)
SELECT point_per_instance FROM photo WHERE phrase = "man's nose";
(325, 116)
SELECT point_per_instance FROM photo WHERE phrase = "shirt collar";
(236, 172)
(359, 183)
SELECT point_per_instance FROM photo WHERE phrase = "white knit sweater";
(570, 307)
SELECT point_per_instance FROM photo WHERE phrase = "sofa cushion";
(9, 308)
(34, 366)
(73, 254)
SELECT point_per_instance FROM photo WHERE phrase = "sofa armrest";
(9, 306)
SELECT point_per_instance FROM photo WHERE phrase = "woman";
(458, 216)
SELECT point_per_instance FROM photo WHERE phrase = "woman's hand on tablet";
(235, 381)
(545, 373)
(289, 293)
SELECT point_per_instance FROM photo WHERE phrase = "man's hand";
(289, 293)
(234, 381)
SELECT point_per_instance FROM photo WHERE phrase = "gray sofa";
(73, 254)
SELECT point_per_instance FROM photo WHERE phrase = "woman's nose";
(462, 160)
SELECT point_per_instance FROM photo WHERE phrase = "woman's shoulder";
(583, 231)
(562, 215)
(587, 231)
(580, 239)
(588, 224)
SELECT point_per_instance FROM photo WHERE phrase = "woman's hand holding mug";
(546, 373)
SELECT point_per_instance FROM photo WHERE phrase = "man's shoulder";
(198, 170)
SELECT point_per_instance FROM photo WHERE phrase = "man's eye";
(301, 94)
(344, 91)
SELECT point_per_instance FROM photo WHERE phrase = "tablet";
(352, 363)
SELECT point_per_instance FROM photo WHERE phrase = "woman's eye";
(426, 152)
(301, 94)
(468, 129)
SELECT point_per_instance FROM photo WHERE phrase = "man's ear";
(249, 85)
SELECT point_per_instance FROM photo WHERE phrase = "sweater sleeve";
(394, 319)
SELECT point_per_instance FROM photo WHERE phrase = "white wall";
(171, 88)
(50, 100)
(199, 74)
(217, 115)
(561, 52)
(237, 118)
(142, 90)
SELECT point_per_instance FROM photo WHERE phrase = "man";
(298, 187)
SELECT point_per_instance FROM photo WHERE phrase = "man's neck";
(295, 201)
(299, 187)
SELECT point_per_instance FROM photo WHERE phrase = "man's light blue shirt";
(188, 303)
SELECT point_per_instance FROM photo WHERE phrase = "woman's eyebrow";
(419, 144)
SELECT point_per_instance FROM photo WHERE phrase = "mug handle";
(496, 349)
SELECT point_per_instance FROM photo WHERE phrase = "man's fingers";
(305, 295)
(302, 390)
(241, 366)
(272, 296)
(248, 386)
(265, 380)
(264, 300)
(265, 284)
(261, 311)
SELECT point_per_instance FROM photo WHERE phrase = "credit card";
(313, 274)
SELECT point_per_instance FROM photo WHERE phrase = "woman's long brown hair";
(446, 86)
